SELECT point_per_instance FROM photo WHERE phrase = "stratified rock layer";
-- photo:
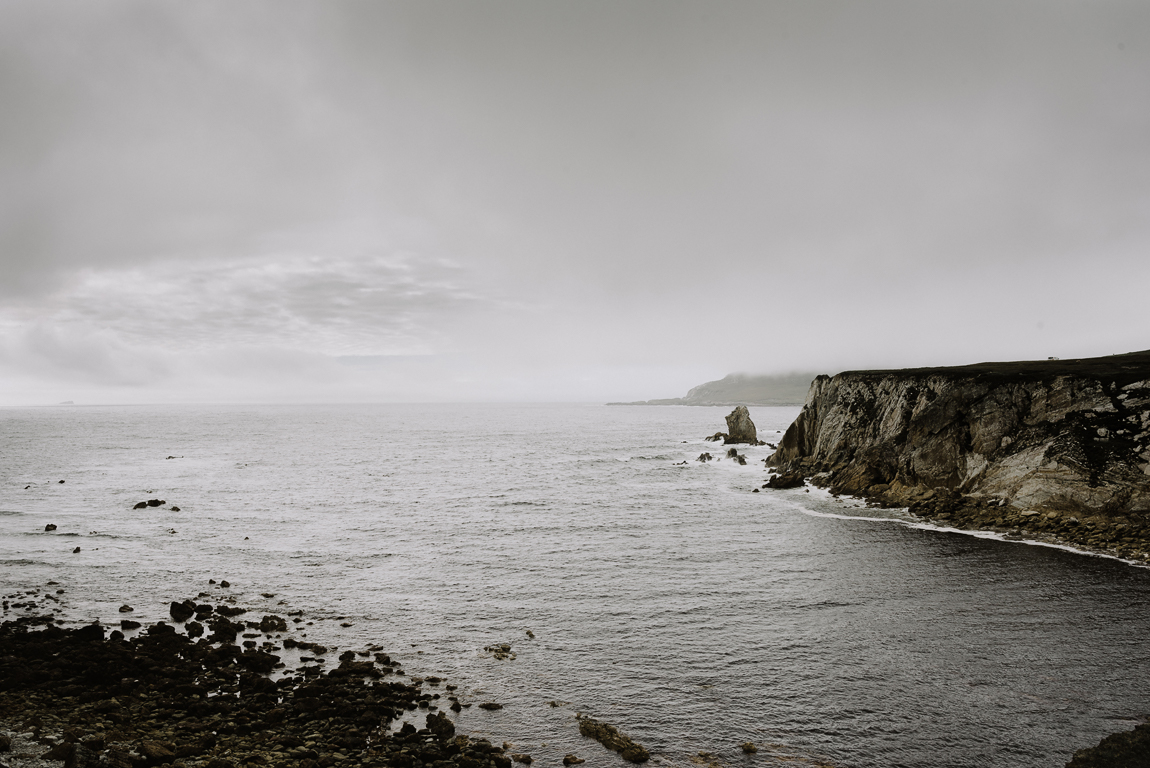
(1062, 436)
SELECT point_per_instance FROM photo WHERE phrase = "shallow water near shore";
(665, 598)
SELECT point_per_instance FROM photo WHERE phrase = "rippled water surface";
(666, 598)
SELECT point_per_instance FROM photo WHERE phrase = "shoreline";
(90, 698)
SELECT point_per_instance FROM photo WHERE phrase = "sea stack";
(1057, 437)
(740, 428)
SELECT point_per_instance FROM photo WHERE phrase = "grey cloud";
(665, 186)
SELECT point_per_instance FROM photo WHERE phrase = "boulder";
(141, 505)
(182, 611)
(704, 457)
(439, 724)
(786, 480)
(740, 428)
(50, 527)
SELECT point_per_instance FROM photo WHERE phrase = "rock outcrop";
(740, 428)
(1068, 437)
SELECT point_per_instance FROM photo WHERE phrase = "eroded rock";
(740, 428)
(611, 738)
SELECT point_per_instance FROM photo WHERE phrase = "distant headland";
(742, 389)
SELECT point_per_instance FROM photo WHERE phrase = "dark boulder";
(89, 632)
(704, 457)
(273, 623)
(50, 527)
(787, 480)
(182, 611)
(439, 724)
(156, 502)
(141, 505)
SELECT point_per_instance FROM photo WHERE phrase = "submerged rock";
(611, 738)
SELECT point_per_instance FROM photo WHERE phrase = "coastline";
(157, 696)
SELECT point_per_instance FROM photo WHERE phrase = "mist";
(352, 201)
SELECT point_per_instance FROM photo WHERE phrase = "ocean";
(664, 595)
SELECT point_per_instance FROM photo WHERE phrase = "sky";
(340, 201)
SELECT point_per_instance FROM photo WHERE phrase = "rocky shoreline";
(87, 697)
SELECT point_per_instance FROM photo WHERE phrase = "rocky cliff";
(1058, 440)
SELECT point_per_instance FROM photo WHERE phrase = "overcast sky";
(329, 201)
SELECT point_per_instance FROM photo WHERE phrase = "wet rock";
(520, 758)
(786, 480)
(501, 652)
(126, 608)
(129, 624)
(611, 738)
(740, 428)
(5, 742)
(225, 584)
(748, 747)
(491, 705)
(50, 527)
(273, 623)
(156, 502)
(570, 759)
(704, 457)
(141, 505)
(1128, 749)
(174, 508)
(183, 611)
(439, 724)
(74, 551)
(194, 629)
(716, 437)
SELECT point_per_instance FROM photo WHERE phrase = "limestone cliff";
(1060, 436)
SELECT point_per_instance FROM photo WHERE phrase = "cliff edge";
(991, 444)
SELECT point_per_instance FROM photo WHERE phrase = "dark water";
(667, 599)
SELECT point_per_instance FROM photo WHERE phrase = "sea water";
(664, 595)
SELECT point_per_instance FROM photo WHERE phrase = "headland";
(1057, 450)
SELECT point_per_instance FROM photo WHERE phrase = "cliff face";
(1067, 436)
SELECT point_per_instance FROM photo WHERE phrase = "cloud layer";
(584, 200)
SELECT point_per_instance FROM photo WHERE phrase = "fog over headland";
(336, 201)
